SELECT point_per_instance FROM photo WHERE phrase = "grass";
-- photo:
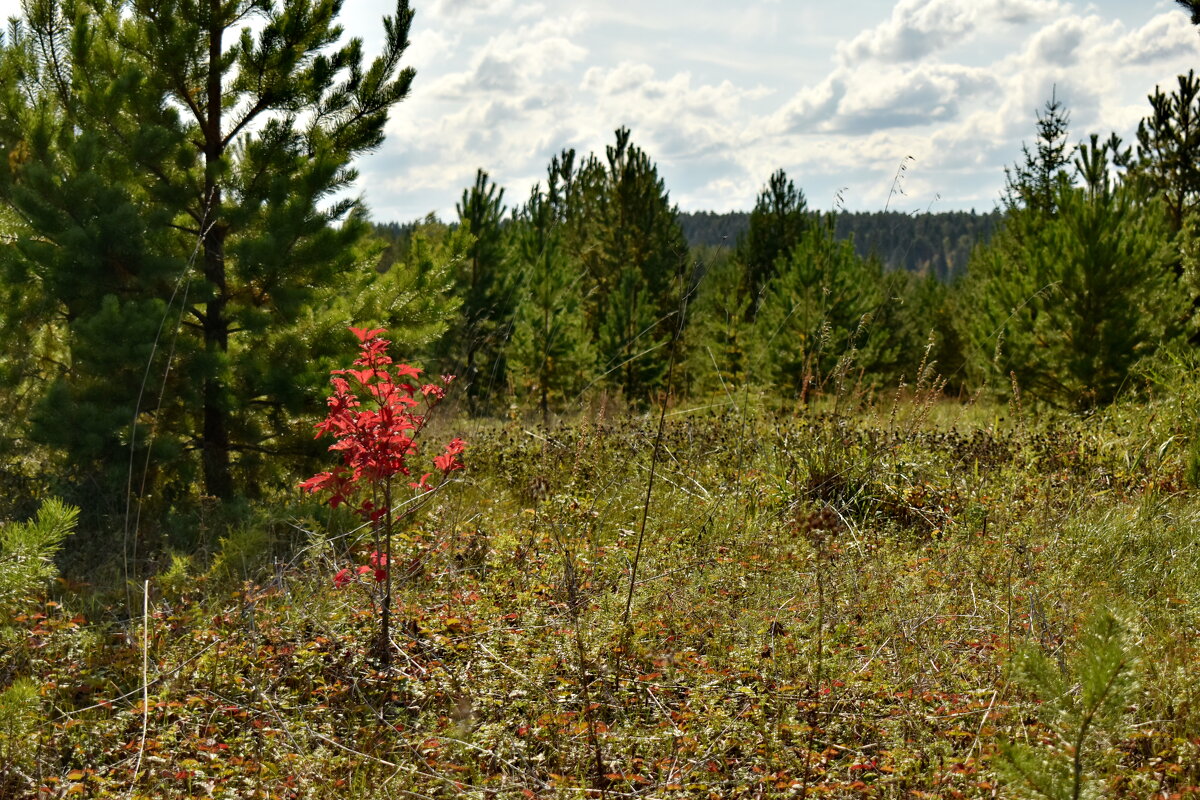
(826, 606)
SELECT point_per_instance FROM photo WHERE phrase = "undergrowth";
(890, 605)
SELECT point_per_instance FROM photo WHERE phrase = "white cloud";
(903, 98)
(919, 28)
(953, 83)
(883, 97)
(625, 77)
(514, 62)
(468, 10)
(1059, 42)
(814, 106)
(1167, 36)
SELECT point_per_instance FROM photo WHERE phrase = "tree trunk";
(218, 480)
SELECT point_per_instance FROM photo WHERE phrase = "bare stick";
(662, 419)
(145, 680)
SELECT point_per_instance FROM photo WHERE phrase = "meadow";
(914, 598)
(686, 531)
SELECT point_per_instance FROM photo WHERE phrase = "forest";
(937, 243)
(573, 494)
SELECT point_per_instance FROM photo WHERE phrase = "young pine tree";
(1068, 303)
(626, 234)
(1081, 709)
(1032, 184)
(817, 311)
(550, 355)
(487, 292)
(180, 167)
(1169, 149)
(718, 339)
(779, 219)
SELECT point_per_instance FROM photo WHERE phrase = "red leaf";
(365, 335)
(316, 482)
(406, 369)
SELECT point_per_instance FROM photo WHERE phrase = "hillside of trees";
(937, 243)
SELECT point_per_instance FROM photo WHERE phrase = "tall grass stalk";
(626, 621)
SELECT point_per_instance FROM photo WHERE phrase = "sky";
(912, 105)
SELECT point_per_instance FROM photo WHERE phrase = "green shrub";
(27, 552)
(1079, 705)
(20, 716)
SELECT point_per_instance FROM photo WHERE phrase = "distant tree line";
(937, 243)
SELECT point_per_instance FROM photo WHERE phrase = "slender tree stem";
(385, 617)
(662, 421)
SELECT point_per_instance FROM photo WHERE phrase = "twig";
(145, 681)
(627, 624)
(982, 722)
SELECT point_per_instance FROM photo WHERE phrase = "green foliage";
(178, 578)
(777, 223)
(818, 312)
(27, 551)
(1069, 301)
(1079, 707)
(1188, 239)
(1191, 474)
(178, 177)
(935, 243)
(550, 355)
(931, 311)
(623, 230)
(488, 294)
(20, 717)
(240, 555)
(719, 341)
(1169, 149)
(413, 296)
(630, 339)
(1033, 184)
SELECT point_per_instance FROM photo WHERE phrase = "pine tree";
(1079, 706)
(1068, 303)
(1169, 149)
(779, 219)
(414, 295)
(178, 177)
(1032, 184)
(718, 342)
(27, 553)
(623, 230)
(817, 312)
(486, 289)
(550, 354)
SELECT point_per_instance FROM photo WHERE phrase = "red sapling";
(375, 417)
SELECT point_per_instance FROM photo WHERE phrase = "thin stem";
(662, 419)
(145, 680)
(574, 601)
(385, 620)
